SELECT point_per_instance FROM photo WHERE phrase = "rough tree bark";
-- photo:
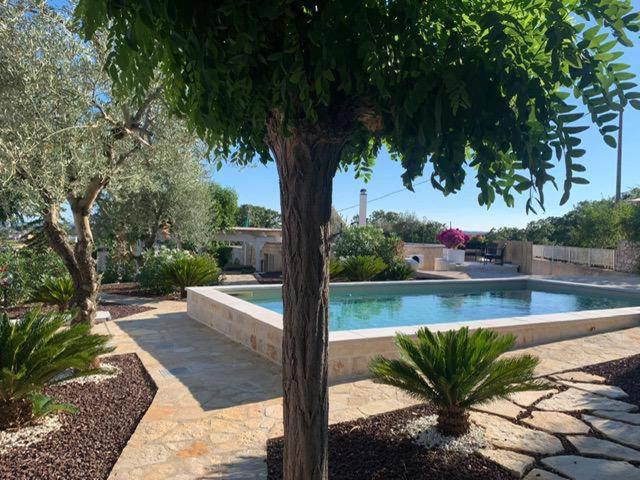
(79, 258)
(307, 162)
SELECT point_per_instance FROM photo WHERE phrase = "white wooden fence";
(592, 257)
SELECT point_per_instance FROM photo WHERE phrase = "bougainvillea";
(452, 238)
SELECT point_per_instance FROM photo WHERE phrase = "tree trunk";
(86, 282)
(78, 260)
(453, 421)
(306, 163)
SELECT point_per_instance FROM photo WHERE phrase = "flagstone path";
(217, 404)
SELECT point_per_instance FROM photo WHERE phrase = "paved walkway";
(217, 402)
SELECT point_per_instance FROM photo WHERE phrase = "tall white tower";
(362, 216)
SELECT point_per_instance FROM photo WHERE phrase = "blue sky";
(258, 184)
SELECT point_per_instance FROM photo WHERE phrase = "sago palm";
(190, 271)
(58, 291)
(456, 370)
(34, 351)
(362, 268)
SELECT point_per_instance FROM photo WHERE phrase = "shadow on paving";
(241, 468)
(218, 372)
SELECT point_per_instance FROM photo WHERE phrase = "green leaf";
(579, 180)
(610, 140)
(570, 117)
(607, 117)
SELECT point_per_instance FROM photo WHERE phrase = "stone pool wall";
(350, 351)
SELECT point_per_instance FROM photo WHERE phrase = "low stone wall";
(519, 253)
(429, 251)
(628, 257)
(350, 351)
(540, 266)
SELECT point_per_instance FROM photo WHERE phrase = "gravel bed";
(424, 432)
(372, 448)
(623, 373)
(88, 443)
(118, 310)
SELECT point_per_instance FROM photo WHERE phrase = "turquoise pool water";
(390, 306)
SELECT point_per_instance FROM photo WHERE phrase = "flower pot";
(454, 255)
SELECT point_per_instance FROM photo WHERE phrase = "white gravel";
(424, 432)
(111, 371)
(26, 436)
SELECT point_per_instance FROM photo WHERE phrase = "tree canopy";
(174, 194)
(407, 226)
(591, 224)
(494, 86)
(443, 85)
(257, 216)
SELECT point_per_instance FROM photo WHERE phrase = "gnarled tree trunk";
(307, 162)
(78, 258)
(86, 280)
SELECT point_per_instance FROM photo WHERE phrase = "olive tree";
(318, 86)
(63, 138)
(173, 193)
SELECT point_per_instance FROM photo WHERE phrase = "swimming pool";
(356, 307)
(365, 317)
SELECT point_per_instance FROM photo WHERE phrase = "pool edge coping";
(344, 344)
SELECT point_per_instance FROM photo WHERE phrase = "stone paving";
(217, 404)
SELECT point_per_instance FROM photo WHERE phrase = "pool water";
(390, 306)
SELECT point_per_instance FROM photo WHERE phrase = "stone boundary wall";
(430, 251)
(540, 266)
(628, 257)
(519, 253)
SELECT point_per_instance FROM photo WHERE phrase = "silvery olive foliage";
(62, 133)
(174, 194)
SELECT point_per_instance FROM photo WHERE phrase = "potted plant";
(453, 239)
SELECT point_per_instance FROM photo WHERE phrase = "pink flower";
(452, 238)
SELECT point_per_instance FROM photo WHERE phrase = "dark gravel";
(367, 449)
(623, 373)
(89, 442)
(118, 310)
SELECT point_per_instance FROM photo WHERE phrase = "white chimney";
(362, 216)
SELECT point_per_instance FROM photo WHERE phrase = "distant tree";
(407, 226)
(600, 224)
(505, 233)
(224, 209)
(317, 86)
(259, 217)
(173, 194)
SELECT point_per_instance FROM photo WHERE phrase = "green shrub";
(336, 268)
(150, 275)
(362, 268)
(367, 241)
(455, 371)
(120, 270)
(27, 268)
(221, 251)
(57, 291)
(189, 272)
(34, 352)
(397, 269)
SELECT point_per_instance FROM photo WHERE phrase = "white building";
(260, 248)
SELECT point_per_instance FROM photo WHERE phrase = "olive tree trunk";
(306, 163)
(78, 258)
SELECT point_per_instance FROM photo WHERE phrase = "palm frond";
(36, 349)
(456, 368)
